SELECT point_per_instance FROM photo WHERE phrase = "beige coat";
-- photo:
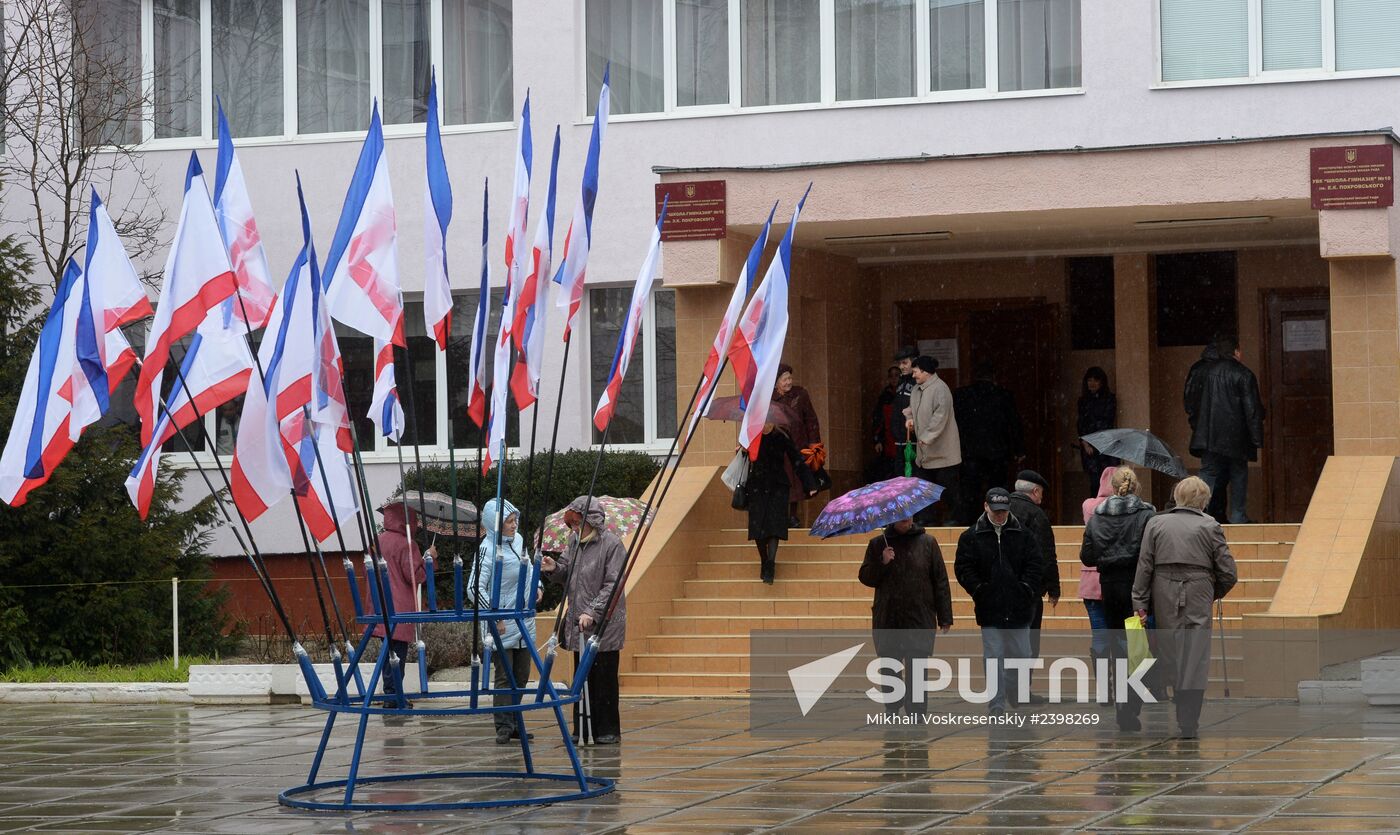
(931, 406)
(1183, 567)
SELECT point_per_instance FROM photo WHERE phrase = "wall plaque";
(696, 211)
(1357, 177)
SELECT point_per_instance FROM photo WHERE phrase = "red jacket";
(406, 569)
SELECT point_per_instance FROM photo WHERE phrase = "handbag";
(740, 499)
(1138, 648)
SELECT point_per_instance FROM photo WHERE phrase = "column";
(1133, 336)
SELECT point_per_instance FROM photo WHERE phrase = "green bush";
(84, 578)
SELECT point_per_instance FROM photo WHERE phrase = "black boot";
(769, 563)
(1188, 712)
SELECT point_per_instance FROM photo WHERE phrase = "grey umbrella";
(437, 509)
(1139, 447)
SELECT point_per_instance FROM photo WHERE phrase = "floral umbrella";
(623, 517)
(874, 506)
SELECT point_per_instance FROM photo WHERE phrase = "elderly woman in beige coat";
(931, 422)
(1184, 566)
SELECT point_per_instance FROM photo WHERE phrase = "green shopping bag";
(909, 458)
(1138, 649)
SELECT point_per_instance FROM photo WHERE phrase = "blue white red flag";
(515, 265)
(198, 277)
(532, 307)
(627, 338)
(280, 432)
(757, 350)
(214, 370)
(437, 214)
(39, 437)
(476, 370)
(361, 276)
(719, 350)
(234, 210)
(577, 240)
(112, 296)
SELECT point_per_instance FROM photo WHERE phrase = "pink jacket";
(406, 569)
(1089, 588)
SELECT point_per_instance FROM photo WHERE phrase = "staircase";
(701, 646)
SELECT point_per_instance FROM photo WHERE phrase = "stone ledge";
(1330, 693)
(141, 692)
(1380, 679)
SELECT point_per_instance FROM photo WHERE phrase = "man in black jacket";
(1227, 422)
(1025, 506)
(999, 566)
(895, 431)
(989, 427)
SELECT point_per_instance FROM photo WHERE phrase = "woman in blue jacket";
(511, 655)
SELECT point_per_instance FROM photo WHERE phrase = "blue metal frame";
(355, 696)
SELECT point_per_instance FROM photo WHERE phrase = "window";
(1091, 319)
(957, 44)
(626, 35)
(406, 60)
(476, 80)
(1204, 40)
(160, 68)
(672, 55)
(1038, 44)
(415, 374)
(465, 433)
(1196, 297)
(702, 52)
(246, 37)
(781, 42)
(646, 407)
(874, 49)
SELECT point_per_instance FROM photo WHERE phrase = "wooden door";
(1297, 394)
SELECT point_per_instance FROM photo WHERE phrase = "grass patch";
(77, 672)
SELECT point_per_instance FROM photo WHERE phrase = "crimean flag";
(627, 337)
(437, 214)
(577, 240)
(757, 350)
(532, 307)
(234, 211)
(709, 377)
(361, 276)
(198, 278)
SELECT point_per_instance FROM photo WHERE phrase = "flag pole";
(554, 436)
(417, 457)
(250, 548)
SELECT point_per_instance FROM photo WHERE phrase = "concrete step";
(812, 550)
(788, 605)
(844, 569)
(1067, 534)
(675, 625)
(738, 662)
(751, 588)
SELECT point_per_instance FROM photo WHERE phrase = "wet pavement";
(691, 765)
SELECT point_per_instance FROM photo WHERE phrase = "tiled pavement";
(690, 765)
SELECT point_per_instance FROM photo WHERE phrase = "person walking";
(590, 567)
(999, 566)
(897, 433)
(992, 438)
(934, 428)
(806, 431)
(1090, 590)
(1112, 543)
(1185, 566)
(767, 489)
(512, 653)
(1227, 423)
(1098, 410)
(406, 572)
(905, 568)
(1026, 506)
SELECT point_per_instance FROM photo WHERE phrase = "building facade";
(1038, 185)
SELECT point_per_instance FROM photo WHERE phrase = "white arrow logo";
(811, 680)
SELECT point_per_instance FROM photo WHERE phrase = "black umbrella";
(1139, 447)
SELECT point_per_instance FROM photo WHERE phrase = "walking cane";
(1220, 627)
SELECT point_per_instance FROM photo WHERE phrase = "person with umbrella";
(767, 488)
(905, 568)
(589, 569)
(406, 573)
(1098, 410)
(512, 652)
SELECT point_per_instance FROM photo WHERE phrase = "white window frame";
(290, 134)
(655, 442)
(1257, 73)
(827, 12)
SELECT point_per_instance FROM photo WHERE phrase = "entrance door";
(1017, 336)
(1298, 395)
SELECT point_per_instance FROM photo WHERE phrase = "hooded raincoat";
(515, 570)
(406, 570)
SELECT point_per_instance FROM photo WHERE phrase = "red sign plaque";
(696, 211)
(1357, 177)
